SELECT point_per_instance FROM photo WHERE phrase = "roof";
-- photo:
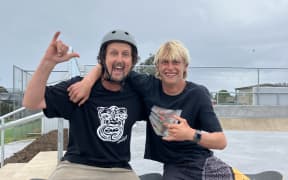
(263, 85)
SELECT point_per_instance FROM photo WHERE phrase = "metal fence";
(216, 79)
(230, 78)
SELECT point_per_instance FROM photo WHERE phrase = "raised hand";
(57, 51)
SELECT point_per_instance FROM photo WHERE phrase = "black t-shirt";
(197, 109)
(100, 129)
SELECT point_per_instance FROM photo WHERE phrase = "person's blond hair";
(172, 50)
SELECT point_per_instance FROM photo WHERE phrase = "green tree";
(5, 106)
(223, 96)
(3, 89)
(147, 66)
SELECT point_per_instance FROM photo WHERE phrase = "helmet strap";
(108, 77)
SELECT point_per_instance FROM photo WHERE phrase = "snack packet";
(160, 115)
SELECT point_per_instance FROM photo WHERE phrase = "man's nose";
(119, 57)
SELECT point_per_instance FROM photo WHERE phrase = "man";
(185, 147)
(100, 130)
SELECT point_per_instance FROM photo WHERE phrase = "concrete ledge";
(41, 166)
(255, 124)
(10, 170)
(250, 111)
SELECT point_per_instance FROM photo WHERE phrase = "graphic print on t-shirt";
(112, 121)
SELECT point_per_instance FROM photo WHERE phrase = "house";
(263, 94)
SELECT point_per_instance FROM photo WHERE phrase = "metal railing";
(214, 78)
(25, 120)
(23, 76)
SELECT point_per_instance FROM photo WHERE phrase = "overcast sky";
(245, 33)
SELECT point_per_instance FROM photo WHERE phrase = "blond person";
(186, 150)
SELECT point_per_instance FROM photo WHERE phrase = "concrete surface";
(250, 111)
(248, 151)
(40, 166)
(10, 169)
(14, 147)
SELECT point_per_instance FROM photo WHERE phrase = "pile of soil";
(46, 142)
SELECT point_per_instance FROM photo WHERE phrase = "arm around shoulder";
(80, 91)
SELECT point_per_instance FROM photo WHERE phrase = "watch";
(197, 136)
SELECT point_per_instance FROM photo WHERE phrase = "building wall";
(270, 95)
(244, 96)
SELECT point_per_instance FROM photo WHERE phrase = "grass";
(22, 132)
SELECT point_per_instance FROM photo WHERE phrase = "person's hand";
(57, 51)
(79, 92)
(180, 131)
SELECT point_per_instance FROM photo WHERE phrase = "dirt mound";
(46, 142)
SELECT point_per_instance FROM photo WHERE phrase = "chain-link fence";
(228, 85)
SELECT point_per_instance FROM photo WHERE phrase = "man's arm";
(57, 52)
(80, 91)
